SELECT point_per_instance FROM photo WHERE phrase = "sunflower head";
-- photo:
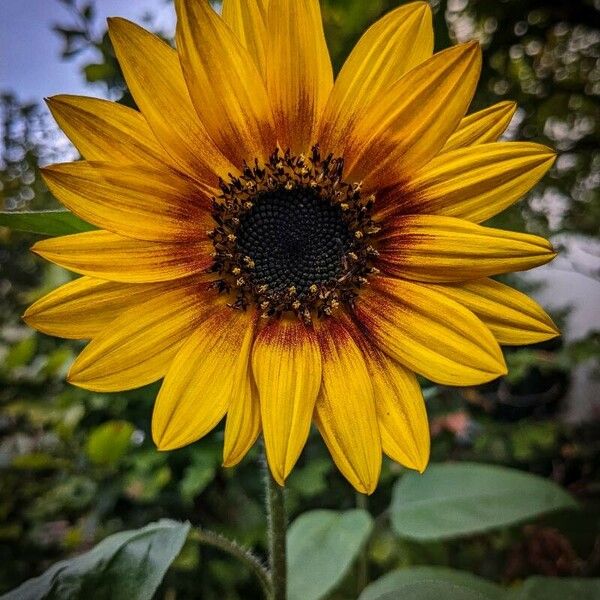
(293, 237)
(284, 249)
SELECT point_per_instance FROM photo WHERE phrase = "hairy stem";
(362, 575)
(210, 538)
(276, 525)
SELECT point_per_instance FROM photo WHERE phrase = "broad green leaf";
(428, 580)
(46, 222)
(432, 590)
(555, 588)
(455, 499)
(109, 442)
(322, 545)
(126, 566)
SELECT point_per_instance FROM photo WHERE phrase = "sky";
(30, 61)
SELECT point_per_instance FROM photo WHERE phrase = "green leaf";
(126, 566)
(432, 590)
(46, 222)
(109, 442)
(98, 72)
(322, 545)
(431, 582)
(555, 588)
(455, 499)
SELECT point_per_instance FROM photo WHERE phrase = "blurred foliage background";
(76, 466)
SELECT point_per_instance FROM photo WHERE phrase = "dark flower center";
(295, 240)
(293, 237)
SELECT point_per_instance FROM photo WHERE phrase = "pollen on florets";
(292, 236)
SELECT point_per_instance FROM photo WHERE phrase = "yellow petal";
(153, 74)
(242, 427)
(410, 122)
(202, 379)
(81, 309)
(482, 127)
(299, 74)
(389, 49)
(225, 85)
(429, 333)
(106, 255)
(513, 317)
(138, 347)
(400, 408)
(474, 183)
(134, 201)
(345, 410)
(286, 363)
(107, 131)
(248, 20)
(445, 249)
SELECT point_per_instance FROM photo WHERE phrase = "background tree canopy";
(77, 466)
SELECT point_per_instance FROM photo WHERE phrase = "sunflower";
(282, 249)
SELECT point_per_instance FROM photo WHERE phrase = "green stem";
(210, 538)
(362, 576)
(276, 525)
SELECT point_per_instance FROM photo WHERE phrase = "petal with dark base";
(106, 255)
(202, 380)
(138, 347)
(445, 249)
(345, 411)
(429, 333)
(286, 363)
(513, 317)
(473, 183)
